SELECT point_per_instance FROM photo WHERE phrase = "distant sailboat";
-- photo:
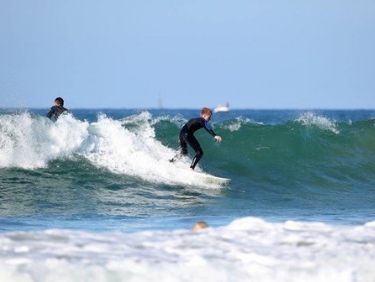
(222, 109)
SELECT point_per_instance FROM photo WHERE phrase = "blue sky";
(126, 54)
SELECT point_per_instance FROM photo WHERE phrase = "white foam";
(324, 123)
(248, 249)
(371, 224)
(126, 146)
(236, 124)
(31, 142)
(135, 151)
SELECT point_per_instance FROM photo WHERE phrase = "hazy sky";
(192, 53)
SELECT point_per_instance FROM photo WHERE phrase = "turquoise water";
(100, 172)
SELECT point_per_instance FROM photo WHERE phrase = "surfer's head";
(199, 225)
(206, 113)
(59, 101)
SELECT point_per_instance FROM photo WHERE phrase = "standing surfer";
(187, 135)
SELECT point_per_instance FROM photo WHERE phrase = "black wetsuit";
(56, 111)
(187, 137)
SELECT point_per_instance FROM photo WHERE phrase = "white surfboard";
(208, 178)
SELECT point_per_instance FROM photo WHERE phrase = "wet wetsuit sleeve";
(56, 111)
(209, 130)
(50, 113)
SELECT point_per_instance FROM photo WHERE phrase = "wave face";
(310, 151)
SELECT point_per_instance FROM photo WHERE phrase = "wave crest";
(29, 142)
(321, 122)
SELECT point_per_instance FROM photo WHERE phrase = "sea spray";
(29, 141)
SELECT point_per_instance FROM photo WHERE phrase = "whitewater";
(93, 197)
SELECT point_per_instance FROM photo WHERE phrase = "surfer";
(199, 225)
(57, 109)
(187, 135)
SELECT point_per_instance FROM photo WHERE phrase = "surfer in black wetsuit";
(187, 135)
(57, 109)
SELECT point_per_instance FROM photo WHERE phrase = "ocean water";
(93, 197)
